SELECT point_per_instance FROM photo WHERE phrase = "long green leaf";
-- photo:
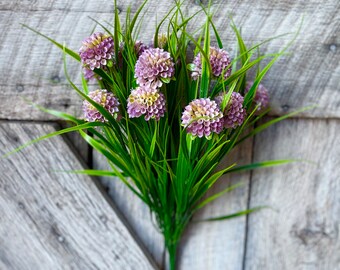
(92, 172)
(274, 121)
(262, 164)
(237, 214)
(205, 77)
(217, 195)
(60, 46)
(59, 132)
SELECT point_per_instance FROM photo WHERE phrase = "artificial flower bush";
(165, 120)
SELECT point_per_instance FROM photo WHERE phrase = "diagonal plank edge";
(134, 210)
(52, 220)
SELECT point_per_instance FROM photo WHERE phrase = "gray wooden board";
(77, 144)
(220, 244)
(52, 220)
(32, 68)
(303, 229)
(134, 210)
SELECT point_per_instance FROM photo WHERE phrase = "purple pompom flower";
(202, 117)
(146, 101)
(96, 51)
(90, 75)
(219, 60)
(261, 97)
(140, 47)
(152, 66)
(162, 40)
(234, 113)
(104, 98)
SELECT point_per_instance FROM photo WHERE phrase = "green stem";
(172, 248)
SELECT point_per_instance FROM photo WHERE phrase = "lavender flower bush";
(165, 121)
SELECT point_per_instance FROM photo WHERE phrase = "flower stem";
(172, 248)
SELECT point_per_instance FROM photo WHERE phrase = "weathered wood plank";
(219, 245)
(76, 143)
(134, 210)
(53, 220)
(302, 232)
(32, 68)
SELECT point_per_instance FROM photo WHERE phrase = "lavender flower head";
(202, 117)
(104, 98)
(146, 101)
(162, 39)
(96, 51)
(152, 66)
(261, 97)
(89, 75)
(234, 113)
(219, 60)
(140, 47)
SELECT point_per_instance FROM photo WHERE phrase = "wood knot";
(55, 79)
(21, 205)
(315, 235)
(19, 87)
(65, 102)
(333, 48)
(103, 218)
(56, 232)
(285, 107)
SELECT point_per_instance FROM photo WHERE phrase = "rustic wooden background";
(52, 220)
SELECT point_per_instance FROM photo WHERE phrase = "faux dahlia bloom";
(261, 97)
(90, 75)
(104, 98)
(219, 60)
(140, 47)
(202, 117)
(162, 40)
(146, 101)
(152, 65)
(96, 51)
(234, 113)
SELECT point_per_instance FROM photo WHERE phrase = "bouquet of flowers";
(166, 112)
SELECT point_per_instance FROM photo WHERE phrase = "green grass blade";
(217, 195)
(62, 47)
(262, 164)
(237, 214)
(205, 78)
(135, 17)
(274, 121)
(92, 172)
(59, 132)
(84, 84)
(58, 114)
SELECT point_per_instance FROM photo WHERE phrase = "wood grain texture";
(220, 244)
(53, 220)
(303, 229)
(77, 144)
(134, 211)
(32, 68)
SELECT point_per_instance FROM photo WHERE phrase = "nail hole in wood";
(55, 79)
(333, 48)
(285, 107)
(21, 205)
(19, 87)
